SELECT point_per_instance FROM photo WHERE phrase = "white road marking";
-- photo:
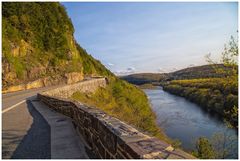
(9, 108)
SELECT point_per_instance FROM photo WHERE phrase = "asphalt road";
(25, 133)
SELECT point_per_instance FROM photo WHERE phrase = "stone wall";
(107, 136)
(84, 86)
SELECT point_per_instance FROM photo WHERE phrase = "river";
(186, 121)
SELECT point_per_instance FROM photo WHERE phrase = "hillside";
(205, 71)
(38, 43)
(39, 50)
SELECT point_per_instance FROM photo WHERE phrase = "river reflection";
(186, 121)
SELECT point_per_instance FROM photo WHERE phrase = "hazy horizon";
(153, 37)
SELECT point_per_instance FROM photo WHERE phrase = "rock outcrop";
(41, 50)
(73, 77)
(68, 78)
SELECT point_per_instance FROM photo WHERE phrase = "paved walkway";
(65, 142)
(26, 134)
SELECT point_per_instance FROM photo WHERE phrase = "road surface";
(25, 132)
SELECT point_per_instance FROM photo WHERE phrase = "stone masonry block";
(108, 139)
(145, 148)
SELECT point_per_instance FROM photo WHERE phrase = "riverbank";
(218, 95)
(186, 121)
(147, 86)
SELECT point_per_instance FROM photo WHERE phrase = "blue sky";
(152, 37)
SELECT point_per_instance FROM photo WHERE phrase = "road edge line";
(13, 106)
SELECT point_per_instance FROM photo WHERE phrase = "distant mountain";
(143, 78)
(205, 71)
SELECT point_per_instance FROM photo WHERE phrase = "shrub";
(204, 149)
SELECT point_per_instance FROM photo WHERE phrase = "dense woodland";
(204, 71)
(143, 78)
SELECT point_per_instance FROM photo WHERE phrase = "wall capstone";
(85, 86)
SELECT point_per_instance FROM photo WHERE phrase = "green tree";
(204, 149)
(44, 33)
(230, 61)
(225, 144)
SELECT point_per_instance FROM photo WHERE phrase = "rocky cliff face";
(68, 78)
(39, 48)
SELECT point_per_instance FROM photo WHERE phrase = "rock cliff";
(39, 48)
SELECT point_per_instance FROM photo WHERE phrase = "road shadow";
(36, 144)
(9, 139)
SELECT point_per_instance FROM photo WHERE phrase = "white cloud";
(129, 70)
(110, 64)
(160, 70)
